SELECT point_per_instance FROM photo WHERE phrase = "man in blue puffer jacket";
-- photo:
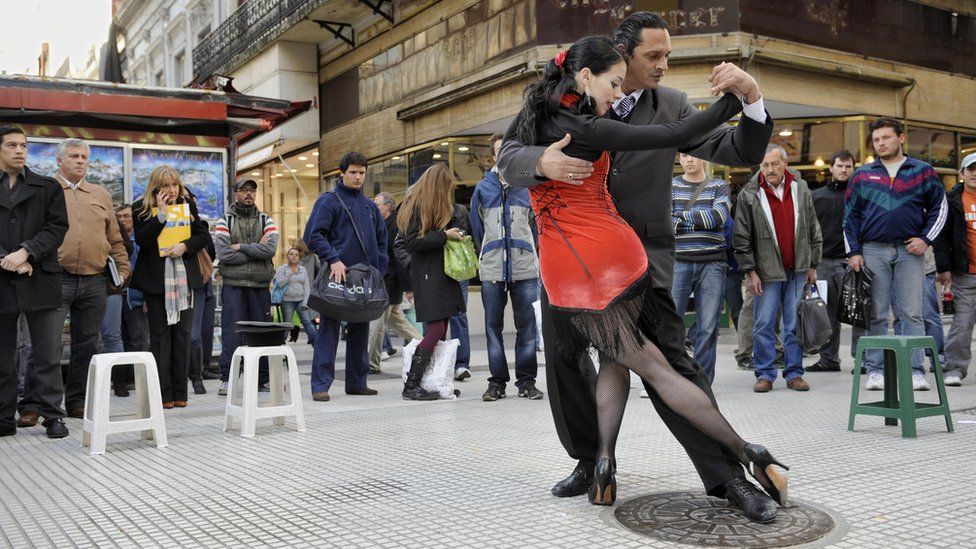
(503, 229)
(331, 235)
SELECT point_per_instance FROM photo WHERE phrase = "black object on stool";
(262, 334)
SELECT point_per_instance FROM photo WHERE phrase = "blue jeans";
(931, 317)
(707, 281)
(241, 303)
(112, 325)
(288, 309)
(895, 272)
(459, 331)
(494, 295)
(778, 297)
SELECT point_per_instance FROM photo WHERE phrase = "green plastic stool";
(899, 397)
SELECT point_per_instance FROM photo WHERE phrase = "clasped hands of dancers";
(593, 265)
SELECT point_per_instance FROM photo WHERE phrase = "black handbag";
(361, 298)
(855, 298)
(813, 323)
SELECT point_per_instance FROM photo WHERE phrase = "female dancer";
(593, 265)
(428, 218)
(167, 278)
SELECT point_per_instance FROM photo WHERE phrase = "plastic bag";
(460, 260)
(439, 376)
(855, 298)
(813, 329)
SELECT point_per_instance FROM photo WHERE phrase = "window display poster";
(202, 172)
(106, 165)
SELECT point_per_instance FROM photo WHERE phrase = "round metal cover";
(696, 519)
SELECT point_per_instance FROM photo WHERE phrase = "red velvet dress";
(588, 255)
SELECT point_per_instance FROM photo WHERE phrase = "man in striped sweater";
(894, 209)
(699, 211)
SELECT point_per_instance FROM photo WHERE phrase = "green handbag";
(460, 261)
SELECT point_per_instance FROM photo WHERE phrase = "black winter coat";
(436, 295)
(150, 268)
(396, 276)
(952, 246)
(38, 219)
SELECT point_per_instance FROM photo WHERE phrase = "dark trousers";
(43, 378)
(170, 346)
(459, 331)
(571, 381)
(135, 338)
(83, 297)
(241, 303)
(324, 355)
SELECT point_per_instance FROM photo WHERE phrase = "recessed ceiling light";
(255, 173)
(786, 133)
(395, 158)
(309, 165)
(303, 158)
(293, 171)
(819, 162)
(279, 175)
(444, 144)
(436, 156)
(463, 149)
(315, 153)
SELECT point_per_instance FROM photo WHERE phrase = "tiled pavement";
(382, 472)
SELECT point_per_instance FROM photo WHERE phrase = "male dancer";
(637, 180)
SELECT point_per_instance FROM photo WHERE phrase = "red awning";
(109, 106)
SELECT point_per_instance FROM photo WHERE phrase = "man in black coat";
(637, 181)
(33, 222)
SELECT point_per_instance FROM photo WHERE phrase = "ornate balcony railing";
(246, 32)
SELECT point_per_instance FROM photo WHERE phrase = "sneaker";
(460, 374)
(953, 380)
(875, 382)
(223, 389)
(264, 387)
(746, 364)
(821, 366)
(389, 354)
(919, 383)
(493, 393)
(529, 391)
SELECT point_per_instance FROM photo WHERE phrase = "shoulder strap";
(694, 197)
(354, 227)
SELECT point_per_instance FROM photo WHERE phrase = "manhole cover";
(696, 519)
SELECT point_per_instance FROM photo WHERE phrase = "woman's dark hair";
(628, 34)
(542, 98)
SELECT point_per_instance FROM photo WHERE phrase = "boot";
(418, 365)
(196, 371)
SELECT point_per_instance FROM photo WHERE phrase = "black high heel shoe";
(603, 491)
(761, 468)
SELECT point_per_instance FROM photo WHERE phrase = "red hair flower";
(560, 59)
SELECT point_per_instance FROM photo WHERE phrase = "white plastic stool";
(149, 403)
(247, 409)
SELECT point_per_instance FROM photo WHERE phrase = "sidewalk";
(383, 472)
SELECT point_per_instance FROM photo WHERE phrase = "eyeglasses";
(248, 191)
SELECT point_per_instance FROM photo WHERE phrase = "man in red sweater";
(778, 245)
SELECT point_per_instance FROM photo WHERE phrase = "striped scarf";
(176, 291)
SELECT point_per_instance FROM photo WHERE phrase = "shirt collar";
(67, 184)
(635, 94)
(22, 175)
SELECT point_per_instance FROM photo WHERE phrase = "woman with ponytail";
(593, 265)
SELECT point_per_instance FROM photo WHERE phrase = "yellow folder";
(177, 227)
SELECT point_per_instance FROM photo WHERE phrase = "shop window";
(967, 146)
(937, 147)
(389, 176)
(470, 161)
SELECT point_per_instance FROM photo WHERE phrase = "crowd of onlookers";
(67, 252)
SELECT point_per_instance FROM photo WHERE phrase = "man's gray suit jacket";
(640, 181)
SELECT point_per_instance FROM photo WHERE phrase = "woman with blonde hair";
(428, 218)
(167, 278)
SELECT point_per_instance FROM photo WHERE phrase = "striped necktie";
(625, 106)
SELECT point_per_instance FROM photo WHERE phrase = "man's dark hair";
(123, 206)
(350, 158)
(497, 136)
(885, 122)
(842, 154)
(8, 129)
(628, 34)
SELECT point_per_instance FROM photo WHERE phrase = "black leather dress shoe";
(577, 483)
(755, 504)
(8, 429)
(55, 428)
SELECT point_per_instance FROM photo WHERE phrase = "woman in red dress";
(593, 266)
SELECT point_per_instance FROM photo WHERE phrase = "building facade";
(412, 82)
